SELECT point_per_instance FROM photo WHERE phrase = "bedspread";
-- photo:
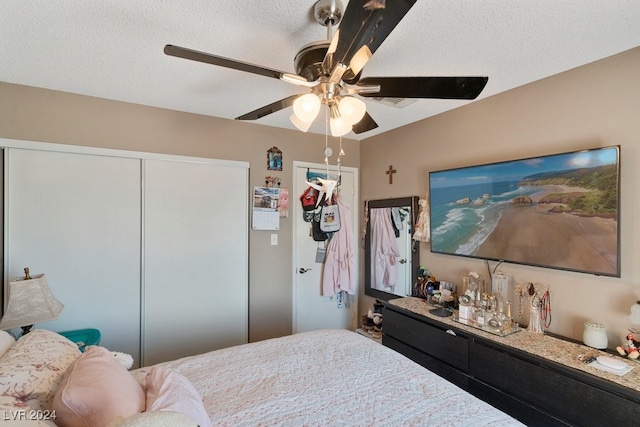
(328, 377)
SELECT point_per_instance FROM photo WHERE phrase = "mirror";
(391, 255)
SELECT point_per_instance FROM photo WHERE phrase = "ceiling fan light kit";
(344, 112)
(331, 68)
(307, 107)
(338, 125)
(352, 109)
(303, 126)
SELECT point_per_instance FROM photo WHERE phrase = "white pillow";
(6, 341)
(34, 366)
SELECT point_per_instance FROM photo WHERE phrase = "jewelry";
(545, 312)
(522, 288)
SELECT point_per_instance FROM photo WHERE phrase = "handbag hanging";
(317, 234)
(309, 199)
(330, 218)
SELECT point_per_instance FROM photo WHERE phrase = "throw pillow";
(169, 390)
(96, 390)
(34, 366)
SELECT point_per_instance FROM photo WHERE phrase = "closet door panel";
(76, 218)
(195, 258)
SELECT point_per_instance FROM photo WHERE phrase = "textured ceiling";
(114, 48)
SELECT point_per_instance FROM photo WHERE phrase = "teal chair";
(83, 337)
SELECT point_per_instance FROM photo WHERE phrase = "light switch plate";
(274, 239)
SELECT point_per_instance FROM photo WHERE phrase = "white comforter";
(328, 377)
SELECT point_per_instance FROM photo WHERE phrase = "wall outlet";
(274, 239)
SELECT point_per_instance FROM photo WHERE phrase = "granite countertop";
(551, 348)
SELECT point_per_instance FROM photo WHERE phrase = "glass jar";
(595, 335)
(484, 302)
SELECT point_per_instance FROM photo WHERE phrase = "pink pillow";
(168, 390)
(96, 390)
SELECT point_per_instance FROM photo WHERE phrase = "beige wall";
(591, 106)
(43, 115)
(595, 105)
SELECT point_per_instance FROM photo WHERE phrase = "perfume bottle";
(480, 317)
(507, 313)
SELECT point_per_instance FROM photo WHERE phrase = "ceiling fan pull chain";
(340, 154)
(326, 140)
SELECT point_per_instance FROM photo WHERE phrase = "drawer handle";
(450, 332)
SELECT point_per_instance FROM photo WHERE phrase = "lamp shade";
(30, 301)
(352, 109)
(303, 126)
(339, 126)
(306, 107)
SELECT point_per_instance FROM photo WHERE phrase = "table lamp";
(30, 301)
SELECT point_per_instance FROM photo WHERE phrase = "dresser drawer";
(440, 343)
(436, 366)
(554, 392)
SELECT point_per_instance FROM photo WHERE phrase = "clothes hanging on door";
(339, 267)
(384, 251)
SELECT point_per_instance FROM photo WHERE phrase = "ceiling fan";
(332, 68)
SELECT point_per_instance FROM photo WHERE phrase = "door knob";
(303, 270)
(402, 260)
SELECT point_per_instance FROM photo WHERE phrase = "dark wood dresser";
(535, 378)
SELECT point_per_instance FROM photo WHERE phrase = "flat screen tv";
(558, 211)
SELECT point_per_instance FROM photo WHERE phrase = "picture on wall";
(558, 211)
(274, 159)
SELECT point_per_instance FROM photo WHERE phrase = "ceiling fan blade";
(425, 87)
(364, 26)
(268, 109)
(194, 55)
(364, 125)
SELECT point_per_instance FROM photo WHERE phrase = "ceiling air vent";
(393, 102)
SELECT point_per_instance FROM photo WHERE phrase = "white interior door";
(405, 268)
(311, 310)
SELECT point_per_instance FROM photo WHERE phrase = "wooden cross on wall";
(390, 172)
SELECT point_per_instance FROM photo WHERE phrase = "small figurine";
(535, 324)
(423, 281)
(631, 347)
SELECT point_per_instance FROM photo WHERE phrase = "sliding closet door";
(76, 218)
(195, 282)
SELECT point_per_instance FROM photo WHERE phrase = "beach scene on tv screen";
(558, 211)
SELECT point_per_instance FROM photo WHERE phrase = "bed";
(326, 377)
